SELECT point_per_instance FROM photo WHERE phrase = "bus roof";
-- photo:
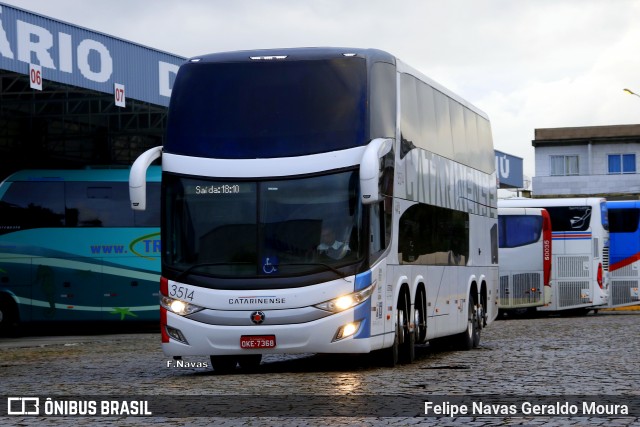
(89, 174)
(520, 210)
(623, 204)
(570, 201)
(296, 54)
(307, 53)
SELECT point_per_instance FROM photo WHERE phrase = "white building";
(587, 161)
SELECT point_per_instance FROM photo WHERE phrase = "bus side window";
(92, 204)
(32, 204)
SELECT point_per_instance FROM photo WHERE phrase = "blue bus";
(71, 249)
(624, 252)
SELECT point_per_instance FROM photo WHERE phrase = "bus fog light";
(179, 307)
(176, 334)
(345, 331)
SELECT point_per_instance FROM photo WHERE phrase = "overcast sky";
(527, 63)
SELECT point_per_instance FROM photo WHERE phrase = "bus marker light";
(268, 58)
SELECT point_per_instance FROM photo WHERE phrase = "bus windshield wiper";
(322, 264)
(189, 269)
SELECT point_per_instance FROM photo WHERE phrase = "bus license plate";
(257, 341)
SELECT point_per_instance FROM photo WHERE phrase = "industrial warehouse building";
(71, 97)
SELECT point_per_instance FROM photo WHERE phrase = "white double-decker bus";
(580, 251)
(525, 252)
(321, 200)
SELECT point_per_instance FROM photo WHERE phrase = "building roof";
(586, 134)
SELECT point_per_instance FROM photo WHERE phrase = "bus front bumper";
(319, 336)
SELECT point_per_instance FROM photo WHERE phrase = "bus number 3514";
(181, 292)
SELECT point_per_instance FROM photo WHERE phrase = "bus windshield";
(570, 218)
(518, 230)
(260, 228)
(624, 220)
(267, 109)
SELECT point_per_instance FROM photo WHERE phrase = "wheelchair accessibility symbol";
(270, 265)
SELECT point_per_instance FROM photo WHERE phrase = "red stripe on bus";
(547, 245)
(163, 325)
(625, 262)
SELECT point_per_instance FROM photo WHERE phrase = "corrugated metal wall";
(80, 57)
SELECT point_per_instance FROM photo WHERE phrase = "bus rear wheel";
(420, 318)
(470, 338)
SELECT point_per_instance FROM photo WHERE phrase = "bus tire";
(224, 364)
(480, 323)
(420, 318)
(9, 316)
(407, 343)
(470, 338)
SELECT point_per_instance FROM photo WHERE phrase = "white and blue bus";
(624, 252)
(71, 249)
(580, 235)
(525, 252)
(321, 200)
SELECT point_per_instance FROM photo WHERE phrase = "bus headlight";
(179, 307)
(345, 302)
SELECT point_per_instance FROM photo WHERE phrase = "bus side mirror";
(138, 178)
(371, 169)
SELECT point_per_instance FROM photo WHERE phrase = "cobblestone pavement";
(594, 356)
